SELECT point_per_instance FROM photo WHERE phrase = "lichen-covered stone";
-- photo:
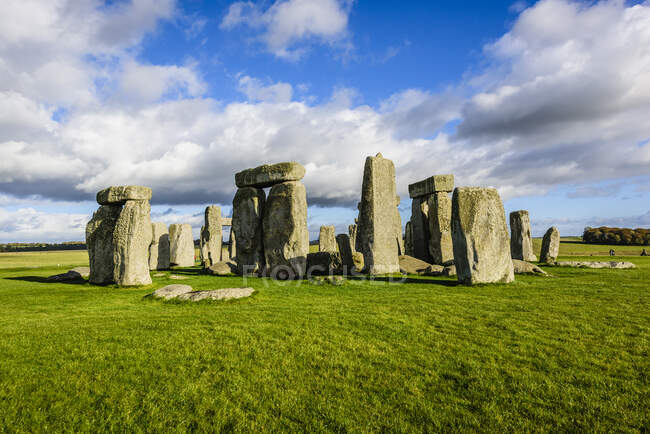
(216, 294)
(420, 235)
(268, 175)
(171, 291)
(352, 231)
(480, 236)
(159, 248)
(211, 236)
(223, 268)
(441, 248)
(376, 230)
(99, 242)
(327, 239)
(286, 239)
(550, 245)
(131, 241)
(411, 265)
(248, 208)
(181, 245)
(119, 195)
(595, 264)
(433, 184)
(521, 242)
(345, 249)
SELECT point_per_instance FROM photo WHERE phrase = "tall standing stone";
(420, 228)
(211, 236)
(99, 241)
(398, 228)
(376, 231)
(286, 238)
(352, 232)
(131, 241)
(181, 245)
(248, 209)
(408, 239)
(440, 243)
(521, 242)
(232, 244)
(327, 239)
(550, 246)
(345, 249)
(159, 248)
(480, 236)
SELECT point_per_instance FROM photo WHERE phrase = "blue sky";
(547, 101)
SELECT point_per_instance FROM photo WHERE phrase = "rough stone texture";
(376, 230)
(286, 239)
(83, 271)
(225, 252)
(449, 271)
(352, 231)
(480, 236)
(68, 276)
(411, 265)
(217, 294)
(345, 249)
(441, 248)
(181, 245)
(586, 264)
(171, 291)
(420, 228)
(521, 242)
(357, 258)
(550, 245)
(268, 175)
(232, 245)
(319, 263)
(223, 268)
(159, 248)
(327, 239)
(226, 221)
(99, 242)
(119, 195)
(211, 236)
(434, 184)
(434, 270)
(131, 241)
(523, 267)
(408, 239)
(248, 208)
(398, 228)
(176, 277)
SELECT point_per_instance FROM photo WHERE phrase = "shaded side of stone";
(345, 249)
(550, 246)
(441, 247)
(246, 235)
(99, 242)
(521, 241)
(181, 245)
(408, 239)
(159, 248)
(420, 234)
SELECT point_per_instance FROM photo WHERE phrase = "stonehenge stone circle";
(550, 246)
(159, 248)
(181, 245)
(99, 241)
(440, 244)
(376, 229)
(211, 236)
(521, 242)
(327, 239)
(480, 236)
(131, 241)
(268, 175)
(285, 234)
(247, 212)
(345, 249)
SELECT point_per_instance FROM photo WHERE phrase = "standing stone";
(398, 228)
(420, 228)
(268, 175)
(440, 244)
(352, 231)
(181, 245)
(99, 241)
(131, 241)
(159, 248)
(521, 243)
(326, 239)
(408, 239)
(550, 246)
(376, 231)
(480, 236)
(120, 194)
(232, 245)
(286, 238)
(345, 249)
(433, 184)
(211, 236)
(248, 208)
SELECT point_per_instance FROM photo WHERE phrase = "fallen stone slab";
(83, 271)
(176, 277)
(65, 277)
(595, 264)
(411, 265)
(268, 175)
(523, 267)
(119, 195)
(434, 270)
(222, 268)
(433, 184)
(217, 294)
(449, 271)
(159, 275)
(171, 291)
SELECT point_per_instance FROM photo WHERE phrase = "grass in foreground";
(563, 353)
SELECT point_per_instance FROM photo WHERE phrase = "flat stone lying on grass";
(159, 275)
(176, 277)
(217, 294)
(595, 264)
(268, 175)
(67, 276)
(410, 265)
(171, 291)
(523, 267)
(222, 268)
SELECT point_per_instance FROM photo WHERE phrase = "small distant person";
(611, 252)
(644, 253)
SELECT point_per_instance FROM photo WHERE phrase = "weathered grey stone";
(82, 271)
(171, 291)
(398, 228)
(159, 248)
(217, 294)
(177, 277)
(248, 208)
(286, 239)
(268, 175)
(223, 268)
(119, 195)
(232, 245)
(521, 242)
(411, 265)
(408, 239)
(376, 230)
(449, 271)
(69, 276)
(433, 184)
(441, 248)
(420, 235)
(99, 242)
(523, 267)
(319, 263)
(603, 264)
(480, 236)
(181, 245)
(550, 245)
(131, 241)
(357, 258)
(352, 231)
(327, 239)
(345, 249)
(434, 270)
(225, 252)
(211, 236)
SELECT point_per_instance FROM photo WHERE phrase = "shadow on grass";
(41, 279)
(188, 271)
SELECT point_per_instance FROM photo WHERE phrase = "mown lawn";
(562, 353)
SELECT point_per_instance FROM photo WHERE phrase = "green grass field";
(565, 353)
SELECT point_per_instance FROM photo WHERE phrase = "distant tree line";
(617, 236)
(39, 247)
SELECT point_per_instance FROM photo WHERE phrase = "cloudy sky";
(547, 101)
